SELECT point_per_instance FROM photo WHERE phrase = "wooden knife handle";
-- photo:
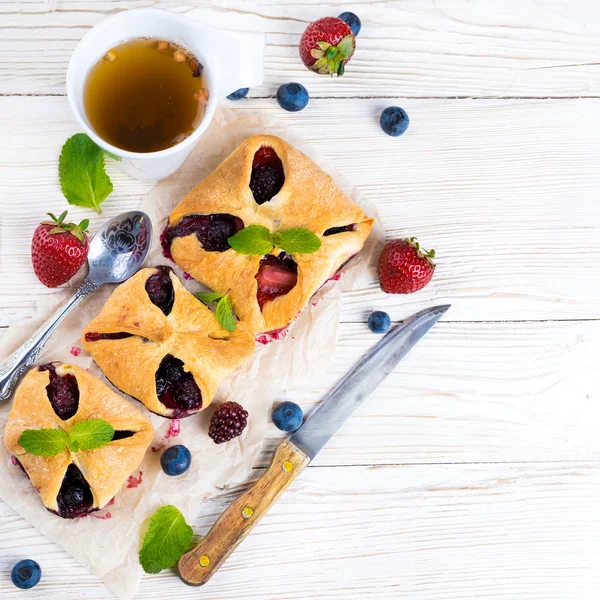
(197, 566)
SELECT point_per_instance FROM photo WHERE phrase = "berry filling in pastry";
(334, 230)
(212, 231)
(267, 175)
(93, 336)
(276, 276)
(160, 290)
(75, 497)
(63, 392)
(177, 389)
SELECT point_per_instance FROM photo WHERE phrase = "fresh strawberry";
(404, 267)
(327, 45)
(58, 249)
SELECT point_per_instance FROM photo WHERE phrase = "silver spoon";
(117, 251)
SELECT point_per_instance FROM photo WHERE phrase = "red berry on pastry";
(276, 276)
(58, 250)
(327, 45)
(228, 422)
(404, 267)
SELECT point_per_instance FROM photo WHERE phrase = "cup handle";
(241, 60)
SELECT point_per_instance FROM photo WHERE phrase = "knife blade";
(358, 384)
(292, 455)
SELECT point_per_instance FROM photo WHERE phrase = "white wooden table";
(473, 472)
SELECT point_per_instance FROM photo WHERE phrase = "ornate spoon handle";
(24, 357)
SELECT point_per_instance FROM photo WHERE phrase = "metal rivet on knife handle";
(247, 512)
(204, 561)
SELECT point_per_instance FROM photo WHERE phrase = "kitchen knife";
(292, 455)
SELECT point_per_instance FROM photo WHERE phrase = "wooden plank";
(413, 48)
(447, 532)
(469, 392)
(509, 203)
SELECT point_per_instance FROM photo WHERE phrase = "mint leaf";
(224, 311)
(254, 239)
(90, 434)
(166, 540)
(224, 314)
(43, 442)
(297, 241)
(83, 179)
(208, 297)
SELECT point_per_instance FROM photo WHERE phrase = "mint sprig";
(296, 241)
(85, 435)
(83, 178)
(166, 540)
(90, 434)
(224, 310)
(43, 442)
(256, 239)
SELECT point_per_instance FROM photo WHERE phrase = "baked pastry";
(58, 396)
(265, 181)
(157, 342)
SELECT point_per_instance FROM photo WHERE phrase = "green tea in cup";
(145, 95)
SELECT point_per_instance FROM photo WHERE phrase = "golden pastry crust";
(190, 333)
(309, 199)
(106, 468)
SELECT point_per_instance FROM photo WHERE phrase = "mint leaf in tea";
(145, 95)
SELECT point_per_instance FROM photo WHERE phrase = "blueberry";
(379, 321)
(292, 96)
(26, 573)
(394, 120)
(287, 416)
(238, 94)
(175, 460)
(352, 20)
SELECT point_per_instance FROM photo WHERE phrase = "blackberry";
(229, 420)
(212, 231)
(177, 388)
(159, 288)
(265, 182)
(62, 391)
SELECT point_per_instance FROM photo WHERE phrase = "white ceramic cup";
(231, 60)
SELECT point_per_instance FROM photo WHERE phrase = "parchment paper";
(107, 542)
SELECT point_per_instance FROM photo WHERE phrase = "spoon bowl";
(116, 252)
(120, 247)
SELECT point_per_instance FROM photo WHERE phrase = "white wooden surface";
(473, 472)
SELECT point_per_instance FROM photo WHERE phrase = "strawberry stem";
(421, 252)
(59, 226)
